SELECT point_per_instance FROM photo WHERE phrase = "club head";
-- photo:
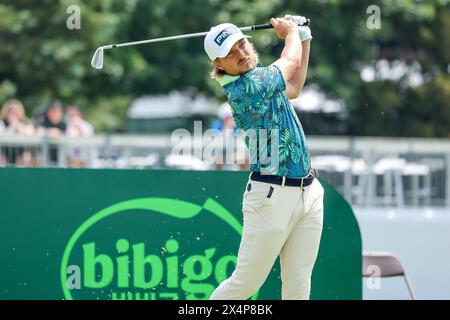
(97, 59)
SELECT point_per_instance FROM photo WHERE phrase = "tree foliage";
(42, 59)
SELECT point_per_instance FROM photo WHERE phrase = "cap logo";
(223, 35)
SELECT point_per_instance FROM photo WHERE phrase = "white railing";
(368, 171)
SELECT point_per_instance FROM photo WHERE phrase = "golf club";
(97, 59)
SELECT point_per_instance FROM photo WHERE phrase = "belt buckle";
(301, 183)
(283, 181)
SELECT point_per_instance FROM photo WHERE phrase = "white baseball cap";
(221, 38)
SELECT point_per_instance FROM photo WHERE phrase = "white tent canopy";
(175, 104)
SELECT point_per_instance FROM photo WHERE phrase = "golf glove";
(304, 31)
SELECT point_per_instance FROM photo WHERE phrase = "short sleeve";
(277, 76)
(269, 80)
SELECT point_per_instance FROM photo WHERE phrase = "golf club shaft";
(190, 35)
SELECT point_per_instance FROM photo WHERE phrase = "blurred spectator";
(225, 120)
(14, 121)
(13, 118)
(54, 126)
(53, 122)
(77, 127)
(226, 125)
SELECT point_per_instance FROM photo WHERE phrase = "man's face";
(241, 59)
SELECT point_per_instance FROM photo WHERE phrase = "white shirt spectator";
(76, 125)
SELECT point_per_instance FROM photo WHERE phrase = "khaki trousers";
(278, 221)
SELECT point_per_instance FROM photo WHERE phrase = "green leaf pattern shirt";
(258, 101)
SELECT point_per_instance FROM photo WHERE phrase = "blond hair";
(13, 104)
(216, 73)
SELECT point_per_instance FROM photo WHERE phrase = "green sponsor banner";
(146, 234)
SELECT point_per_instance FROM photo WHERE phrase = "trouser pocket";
(257, 194)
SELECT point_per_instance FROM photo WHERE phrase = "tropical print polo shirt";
(260, 105)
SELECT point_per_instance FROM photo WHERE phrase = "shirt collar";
(226, 78)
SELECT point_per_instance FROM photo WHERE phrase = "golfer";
(283, 201)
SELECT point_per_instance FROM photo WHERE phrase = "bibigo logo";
(151, 248)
